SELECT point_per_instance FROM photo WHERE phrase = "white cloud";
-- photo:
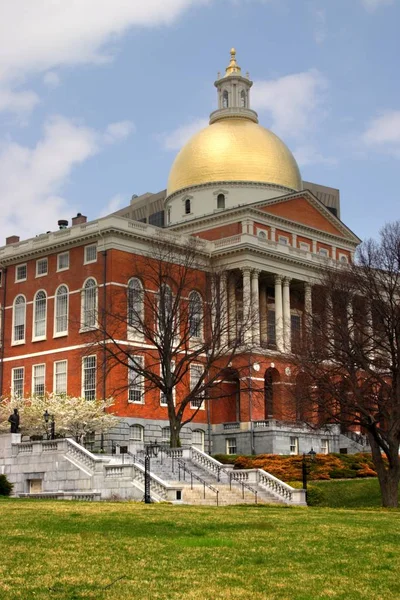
(319, 25)
(51, 79)
(308, 154)
(32, 179)
(114, 204)
(294, 102)
(17, 102)
(178, 138)
(372, 5)
(119, 131)
(383, 133)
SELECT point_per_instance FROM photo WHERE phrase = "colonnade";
(254, 308)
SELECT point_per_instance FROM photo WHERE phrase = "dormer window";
(225, 99)
(221, 201)
(187, 206)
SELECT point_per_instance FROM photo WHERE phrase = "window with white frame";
(60, 377)
(271, 327)
(166, 434)
(294, 445)
(262, 235)
(221, 201)
(135, 309)
(163, 399)
(343, 258)
(63, 261)
(231, 446)
(89, 304)
(89, 377)
(325, 446)
(323, 252)
(39, 315)
(19, 320)
(20, 272)
(283, 239)
(187, 206)
(195, 315)
(304, 246)
(136, 432)
(61, 311)
(135, 380)
(198, 439)
(41, 267)
(196, 373)
(17, 382)
(38, 380)
(90, 253)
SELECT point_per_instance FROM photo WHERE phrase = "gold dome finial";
(233, 68)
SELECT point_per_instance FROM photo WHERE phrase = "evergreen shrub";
(5, 486)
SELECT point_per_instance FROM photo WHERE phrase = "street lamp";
(48, 417)
(312, 455)
(152, 451)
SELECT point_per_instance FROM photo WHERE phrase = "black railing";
(182, 467)
(243, 486)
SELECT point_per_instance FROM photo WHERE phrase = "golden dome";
(234, 149)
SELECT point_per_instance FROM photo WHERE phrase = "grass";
(121, 551)
(352, 493)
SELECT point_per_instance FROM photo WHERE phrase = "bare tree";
(350, 359)
(171, 330)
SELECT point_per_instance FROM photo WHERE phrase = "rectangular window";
(89, 377)
(90, 254)
(304, 246)
(20, 272)
(231, 447)
(324, 446)
(136, 433)
(41, 267)
(163, 400)
(60, 377)
(17, 385)
(282, 239)
(38, 383)
(135, 380)
(63, 261)
(294, 445)
(295, 331)
(196, 372)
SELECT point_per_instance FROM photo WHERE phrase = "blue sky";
(97, 96)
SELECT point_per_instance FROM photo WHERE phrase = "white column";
(273, 234)
(263, 314)
(287, 324)
(247, 314)
(308, 310)
(224, 309)
(278, 314)
(232, 308)
(255, 305)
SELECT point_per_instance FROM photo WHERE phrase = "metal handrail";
(243, 484)
(181, 465)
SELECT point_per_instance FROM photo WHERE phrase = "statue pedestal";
(6, 441)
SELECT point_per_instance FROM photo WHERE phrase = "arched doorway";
(271, 378)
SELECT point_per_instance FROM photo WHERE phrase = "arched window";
(61, 311)
(225, 99)
(198, 439)
(187, 206)
(39, 315)
(89, 304)
(195, 315)
(262, 235)
(243, 99)
(19, 319)
(220, 201)
(135, 308)
(136, 433)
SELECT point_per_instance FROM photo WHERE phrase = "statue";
(14, 421)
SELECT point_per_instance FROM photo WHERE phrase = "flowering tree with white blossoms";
(74, 416)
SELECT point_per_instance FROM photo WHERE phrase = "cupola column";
(255, 305)
(278, 314)
(247, 313)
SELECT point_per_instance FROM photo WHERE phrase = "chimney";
(62, 224)
(79, 219)
(13, 239)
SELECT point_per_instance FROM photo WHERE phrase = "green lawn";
(351, 493)
(120, 551)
